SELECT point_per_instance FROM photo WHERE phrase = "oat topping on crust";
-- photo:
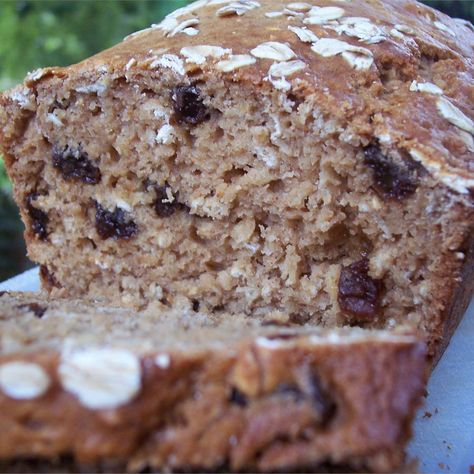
(234, 62)
(450, 178)
(198, 54)
(273, 50)
(468, 140)
(101, 378)
(441, 26)
(405, 29)
(328, 47)
(36, 74)
(54, 120)
(453, 115)
(167, 25)
(358, 57)
(323, 15)
(396, 34)
(190, 31)
(23, 380)
(239, 7)
(359, 27)
(285, 69)
(130, 63)
(428, 87)
(304, 34)
(183, 27)
(279, 71)
(274, 14)
(290, 14)
(169, 61)
(299, 6)
(188, 9)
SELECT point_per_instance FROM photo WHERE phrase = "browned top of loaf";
(370, 90)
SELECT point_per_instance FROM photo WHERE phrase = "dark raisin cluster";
(391, 179)
(323, 404)
(39, 219)
(359, 294)
(238, 398)
(163, 207)
(76, 166)
(47, 277)
(114, 224)
(37, 309)
(188, 105)
(313, 393)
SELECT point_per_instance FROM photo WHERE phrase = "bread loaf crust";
(459, 300)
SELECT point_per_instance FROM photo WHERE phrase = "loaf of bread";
(185, 390)
(313, 159)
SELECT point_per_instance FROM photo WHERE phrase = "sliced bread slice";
(183, 390)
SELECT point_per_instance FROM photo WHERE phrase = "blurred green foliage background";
(38, 33)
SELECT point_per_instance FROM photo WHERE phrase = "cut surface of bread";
(184, 390)
(317, 162)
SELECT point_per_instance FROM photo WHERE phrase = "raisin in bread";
(184, 390)
(314, 158)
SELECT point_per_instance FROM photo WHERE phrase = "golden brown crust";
(460, 298)
(285, 401)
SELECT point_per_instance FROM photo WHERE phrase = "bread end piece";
(201, 391)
